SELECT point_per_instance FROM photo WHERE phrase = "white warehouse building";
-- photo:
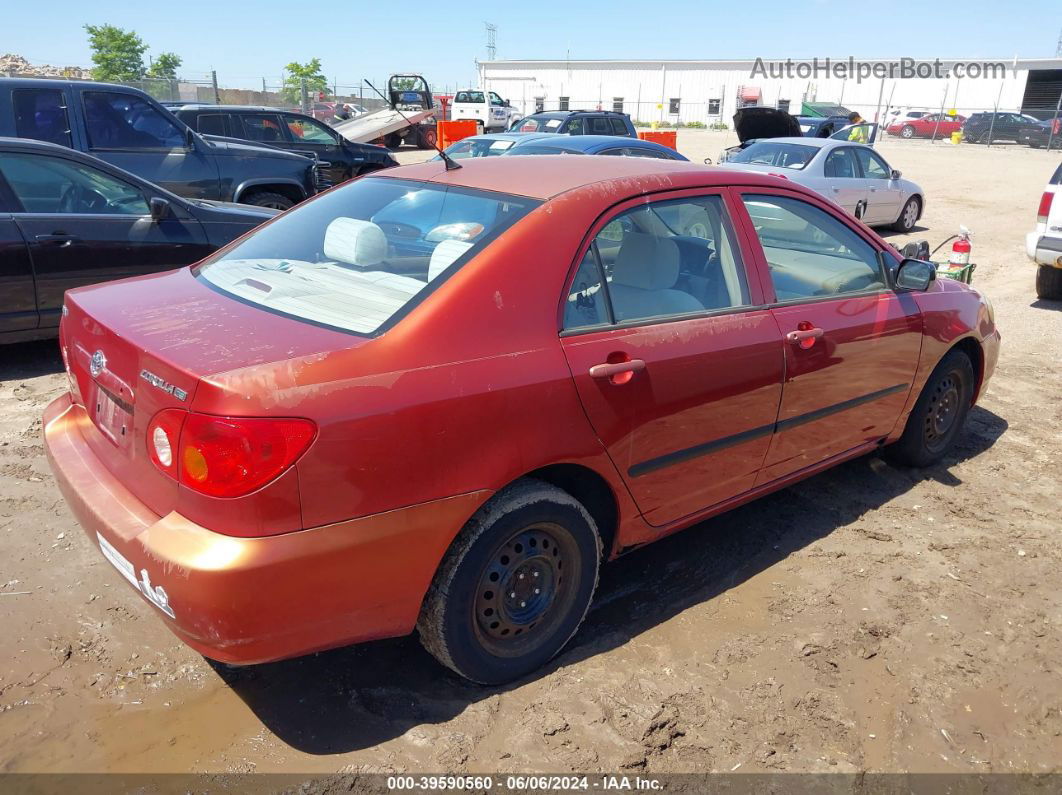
(709, 91)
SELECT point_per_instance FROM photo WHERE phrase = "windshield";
(537, 124)
(768, 153)
(357, 258)
(477, 147)
(544, 149)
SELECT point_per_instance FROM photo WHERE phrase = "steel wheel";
(944, 403)
(522, 592)
(938, 415)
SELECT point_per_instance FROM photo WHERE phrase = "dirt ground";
(871, 618)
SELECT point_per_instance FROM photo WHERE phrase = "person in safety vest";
(858, 133)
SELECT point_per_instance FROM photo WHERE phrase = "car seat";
(644, 276)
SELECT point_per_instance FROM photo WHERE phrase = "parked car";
(899, 116)
(338, 159)
(129, 129)
(490, 111)
(853, 175)
(759, 122)
(980, 127)
(821, 127)
(1042, 134)
(1044, 243)
(493, 144)
(68, 219)
(577, 122)
(590, 354)
(930, 125)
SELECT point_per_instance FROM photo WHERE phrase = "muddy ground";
(871, 618)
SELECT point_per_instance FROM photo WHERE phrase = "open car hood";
(759, 122)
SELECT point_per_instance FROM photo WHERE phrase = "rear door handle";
(618, 373)
(60, 239)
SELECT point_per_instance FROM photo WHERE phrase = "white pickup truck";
(491, 112)
(1044, 244)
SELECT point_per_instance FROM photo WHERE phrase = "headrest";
(646, 262)
(355, 242)
(444, 255)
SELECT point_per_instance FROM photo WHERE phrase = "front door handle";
(59, 238)
(618, 373)
(804, 338)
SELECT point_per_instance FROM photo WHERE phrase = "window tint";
(309, 130)
(873, 166)
(599, 125)
(638, 151)
(213, 124)
(262, 127)
(40, 114)
(670, 258)
(116, 120)
(841, 164)
(809, 252)
(576, 126)
(46, 184)
(586, 304)
(618, 127)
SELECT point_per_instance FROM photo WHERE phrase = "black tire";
(1049, 283)
(939, 414)
(907, 131)
(531, 543)
(393, 141)
(266, 198)
(428, 138)
(909, 215)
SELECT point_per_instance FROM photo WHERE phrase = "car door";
(312, 137)
(885, 195)
(132, 133)
(852, 342)
(844, 181)
(18, 300)
(84, 225)
(677, 364)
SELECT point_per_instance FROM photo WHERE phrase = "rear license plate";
(114, 421)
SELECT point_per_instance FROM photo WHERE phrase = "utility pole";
(492, 40)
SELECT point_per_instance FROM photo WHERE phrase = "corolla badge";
(164, 385)
(97, 364)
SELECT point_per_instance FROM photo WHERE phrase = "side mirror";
(915, 274)
(895, 174)
(159, 208)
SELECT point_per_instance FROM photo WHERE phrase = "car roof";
(586, 143)
(545, 176)
(208, 106)
(564, 114)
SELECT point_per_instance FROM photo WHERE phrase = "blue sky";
(246, 41)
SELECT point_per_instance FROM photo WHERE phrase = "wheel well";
(288, 191)
(592, 491)
(972, 348)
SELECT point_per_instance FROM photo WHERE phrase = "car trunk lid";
(760, 122)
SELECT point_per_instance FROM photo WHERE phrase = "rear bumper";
(251, 600)
(1044, 250)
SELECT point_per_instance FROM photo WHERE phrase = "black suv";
(577, 122)
(1007, 127)
(129, 129)
(338, 158)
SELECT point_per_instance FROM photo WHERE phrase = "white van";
(491, 112)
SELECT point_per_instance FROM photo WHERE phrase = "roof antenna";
(451, 165)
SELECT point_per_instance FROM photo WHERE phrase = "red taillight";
(1045, 207)
(225, 456)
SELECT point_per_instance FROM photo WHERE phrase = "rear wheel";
(428, 138)
(1049, 283)
(907, 131)
(514, 586)
(939, 414)
(267, 198)
(908, 215)
(393, 141)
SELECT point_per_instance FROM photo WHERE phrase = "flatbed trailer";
(409, 116)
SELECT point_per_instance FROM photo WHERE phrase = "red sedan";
(439, 399)
(935, 125)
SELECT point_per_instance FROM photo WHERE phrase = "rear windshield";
(766, 153)
(537, 124)
(477, 147)
(361, 256)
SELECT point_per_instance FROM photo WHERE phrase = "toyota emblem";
(97, 363)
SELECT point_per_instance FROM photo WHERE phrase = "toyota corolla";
(439, 399)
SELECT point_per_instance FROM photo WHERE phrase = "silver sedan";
(851, 174)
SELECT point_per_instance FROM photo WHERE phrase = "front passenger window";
(810, 253)
(52, 185)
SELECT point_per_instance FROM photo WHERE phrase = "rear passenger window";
(810, 253)
(618, 127)
(599, 125)
(40, 114)
(659, 260)
(213, 124)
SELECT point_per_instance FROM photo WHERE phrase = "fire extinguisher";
(960, 250)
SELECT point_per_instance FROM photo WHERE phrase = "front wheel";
(907, 131)
(514, 586)
(1049, 283)
(275, 201)
(908, 215)
(939, 414)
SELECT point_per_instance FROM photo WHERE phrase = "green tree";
(165, 66)
(117, 54)
(295, 73)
